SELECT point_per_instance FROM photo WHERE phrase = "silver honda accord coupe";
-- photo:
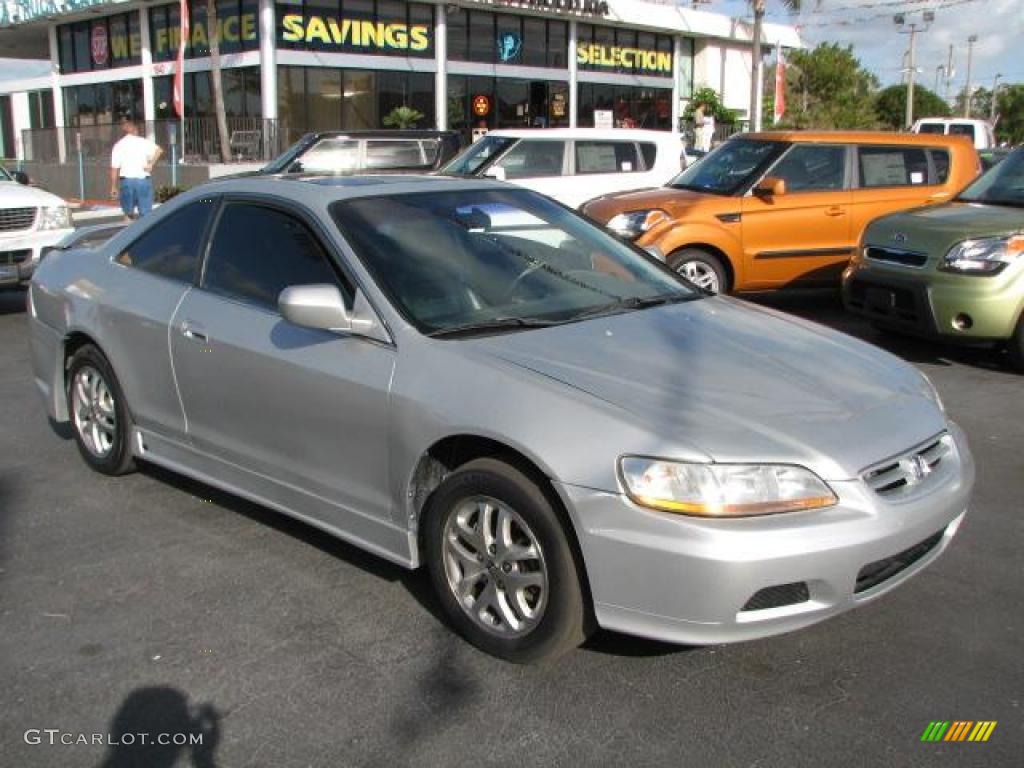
(472, 378)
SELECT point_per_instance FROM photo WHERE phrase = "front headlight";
(722, 490)
(632, 224)
(985, 256)
(55, 217)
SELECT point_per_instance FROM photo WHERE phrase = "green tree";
(709, 98)
(759, 7)
(981, 103)
(402, 117)
(891, 105)
(828, 88)
(1010, 109)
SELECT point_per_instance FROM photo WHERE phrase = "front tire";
(703, 269)
(1015, 346)
(501, 564)
(99, 417)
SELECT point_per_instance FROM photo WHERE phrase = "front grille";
(896, 256)
(875, 573)
(14, 219)
(15, 257)
(910, 470)
(778, 596)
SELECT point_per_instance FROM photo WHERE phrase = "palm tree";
(216, 82)
(758, 7)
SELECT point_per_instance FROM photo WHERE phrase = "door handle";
(192, 332)
(835, 210)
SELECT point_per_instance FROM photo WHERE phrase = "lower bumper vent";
(779, 596)
(875, 573)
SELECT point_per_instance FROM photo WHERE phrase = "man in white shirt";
(131, 163)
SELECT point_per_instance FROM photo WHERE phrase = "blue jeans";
(136, 193)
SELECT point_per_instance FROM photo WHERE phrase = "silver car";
(470, 377)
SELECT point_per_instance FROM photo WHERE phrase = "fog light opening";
(963, 322)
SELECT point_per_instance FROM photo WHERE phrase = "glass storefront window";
(606, 49)
(237, 29)
(457, 23)
(631, 106)
(535, 42)
(384, 28)
(558, 44)
(482, 43)
(324, 98)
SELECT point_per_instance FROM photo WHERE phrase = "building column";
(441, 61)
(58, 94)
(21, 120)
(573, 75)
(677, 54)
(268, 60)
(148, 96)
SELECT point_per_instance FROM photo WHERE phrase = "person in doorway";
(131, 165)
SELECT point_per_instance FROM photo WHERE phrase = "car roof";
(636, 134)
(318, 190)
(397, 133)
(859, 137)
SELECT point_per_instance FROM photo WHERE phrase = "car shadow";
(12, 301)
(826, 308)
(416, 583)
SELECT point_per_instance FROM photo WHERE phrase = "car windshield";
(282, 162)
(481, 260)
(5, 174)
(1000, 185)
(730, 167)
(478, 156)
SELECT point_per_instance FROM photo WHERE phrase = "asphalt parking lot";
(151, 604)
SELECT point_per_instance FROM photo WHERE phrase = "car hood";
(951, 222)
(672, 201)
(739, 383)
(15, 195)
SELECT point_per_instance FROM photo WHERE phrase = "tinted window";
(257, 252)
(931, 128)
(892, 166)
(809, 167)
(940, 161)
(729, 167)
(1001, 185)
(398, 153)
(606, 157)
(961, 129)
(530, 159)
(170, 248)
(650, 153)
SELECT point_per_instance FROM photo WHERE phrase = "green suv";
(953, 271)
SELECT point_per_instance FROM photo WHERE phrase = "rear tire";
(703, 269)
(501, 564)
(99, 416)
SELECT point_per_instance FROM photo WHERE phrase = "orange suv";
(785, 208)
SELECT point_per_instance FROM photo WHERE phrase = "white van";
(979, 131)
(573, 165)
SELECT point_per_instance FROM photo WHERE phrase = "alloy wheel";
(700, 274)
(94, 411)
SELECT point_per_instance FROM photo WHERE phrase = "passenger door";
(895, 178)
(802, 236)
(537, 164)
(306, 409)
(150, 277)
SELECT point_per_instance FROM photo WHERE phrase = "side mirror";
(319, 306)
(495, 172)
(770, 186)
(21, 177)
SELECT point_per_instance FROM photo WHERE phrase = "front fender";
(697, 234)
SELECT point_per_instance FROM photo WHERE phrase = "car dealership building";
(292, 66)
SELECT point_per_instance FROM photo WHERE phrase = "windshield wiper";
(635, 302)
(497, 324)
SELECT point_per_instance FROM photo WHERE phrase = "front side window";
(257, 252)
(1002, 184)
(531, 159)
(892, 166)
(478, 156)
(812, 167)
(606, 157)
(467, 261)
(729, 167)
(329, 156)
(170, 248)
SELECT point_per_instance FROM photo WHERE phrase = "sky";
(868, 25)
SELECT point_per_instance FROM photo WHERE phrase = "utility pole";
(967, 88)
(939, 70)
(900, 20)
(995, 90)
(949, 71)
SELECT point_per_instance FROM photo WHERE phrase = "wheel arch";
(449, 453)
(73, 341)
(714, 250)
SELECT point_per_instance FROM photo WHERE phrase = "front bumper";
(927, 302)
(698, 581)
(20, 253)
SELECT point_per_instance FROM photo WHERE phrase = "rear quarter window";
(937, 128)
(892, 166)
(606, 157)
(940, 163)
(961, 129)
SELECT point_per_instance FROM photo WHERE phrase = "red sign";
(481, 105)
(99, 45)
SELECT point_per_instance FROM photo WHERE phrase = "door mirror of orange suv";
(770, 186)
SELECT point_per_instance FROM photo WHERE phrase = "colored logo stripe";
(958, 730)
